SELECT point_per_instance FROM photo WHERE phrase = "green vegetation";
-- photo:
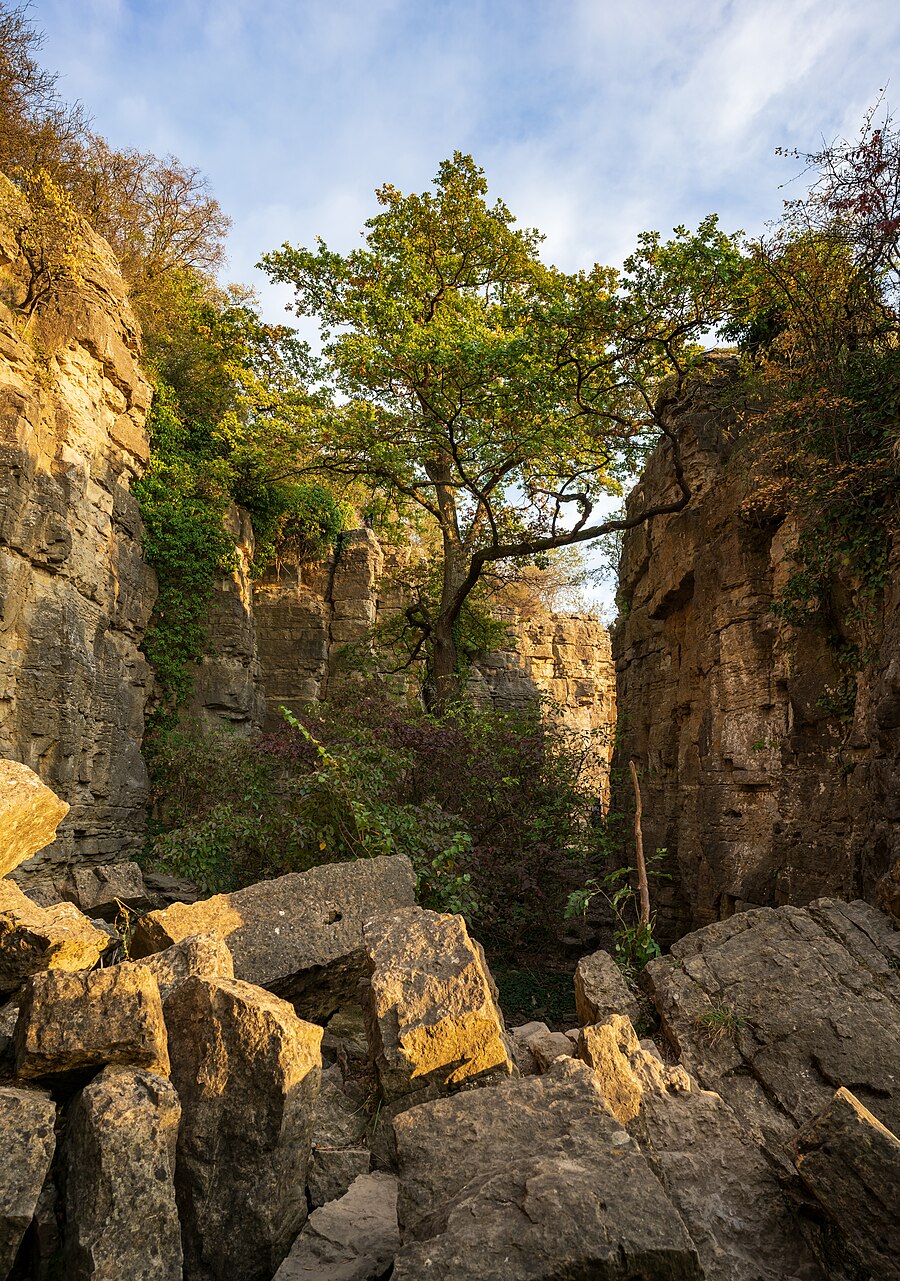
(490, 807)
(721, 1023)
(634, 941)
(817, 318)
(493, 396)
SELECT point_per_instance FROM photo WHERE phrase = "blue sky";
(593, 119)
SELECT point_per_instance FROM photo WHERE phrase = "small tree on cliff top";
(502, 397)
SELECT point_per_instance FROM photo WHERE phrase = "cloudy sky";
(593, 119)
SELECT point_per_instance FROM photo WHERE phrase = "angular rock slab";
(851, 1164)
(433, 1020)
(201, 955)
(103, 890)
(300, 935)
(27, 1142)
(351, 1239)
(776, 1008)
(72, 1024)
(601, 990)
(29, 814)
(34, 938)
(247, 1073)
(119, 1162)
(604, 1048)
(531, 1179)
(717, 1178)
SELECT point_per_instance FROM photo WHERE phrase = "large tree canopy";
(503, 397)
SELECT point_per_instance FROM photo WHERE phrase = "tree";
(500, 397)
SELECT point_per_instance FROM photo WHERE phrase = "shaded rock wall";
(75, 593)
(280, 641)
(759, 792)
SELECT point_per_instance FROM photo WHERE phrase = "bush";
(487, 806)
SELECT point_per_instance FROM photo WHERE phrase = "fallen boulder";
(29, 814)
(604, 1048)
(851, 1164)
(531, 1179)
(105, 889)
(601, 990)
(27, 1140)
(433, 1020)
(775, 1008)
(72, 1024)
(34, 938)
(201, 955)
(247, 1072)
(717, 1178)
(300, 935)
(352, 1239)
(119, 1168)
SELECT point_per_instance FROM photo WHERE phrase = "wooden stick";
(643, 887)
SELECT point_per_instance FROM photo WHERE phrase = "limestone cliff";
(75, 593)
(759, 792)
(280, 643)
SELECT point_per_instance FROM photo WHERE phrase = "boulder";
(332, 1170)
(201, 955)
(601, 990)
(27, 1140)
(550, 1047)
(776, 1008)
(604, 1048)
(850, 1163)
(718, 1179)
(29, 814)
(34, 938)
(119, 1168)
(103, 891)
(72, 1024)
(531, 1179)
(300, 935)
(433, 1021)
(247, 1072)
(352, 1239)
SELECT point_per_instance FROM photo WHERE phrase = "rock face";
(531, 1179)
(305, 615)
(434, 1023)
(119, 1161)
(851, 1164)
(27, 1119)
(761, 794)
(299, 935)
(247, 1073)
(567, 658)
(75, 593)
(29, 814)
(227, 686)
(718, 1179)
(775, 1009)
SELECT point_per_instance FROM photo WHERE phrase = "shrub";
(487, 806)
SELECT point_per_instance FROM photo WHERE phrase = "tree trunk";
(444, 666)
(444, 656)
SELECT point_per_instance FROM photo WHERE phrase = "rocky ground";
(312, 1078)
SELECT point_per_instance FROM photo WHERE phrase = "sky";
(593, 119)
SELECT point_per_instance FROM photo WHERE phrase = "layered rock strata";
(75, 592)
(753, 780)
